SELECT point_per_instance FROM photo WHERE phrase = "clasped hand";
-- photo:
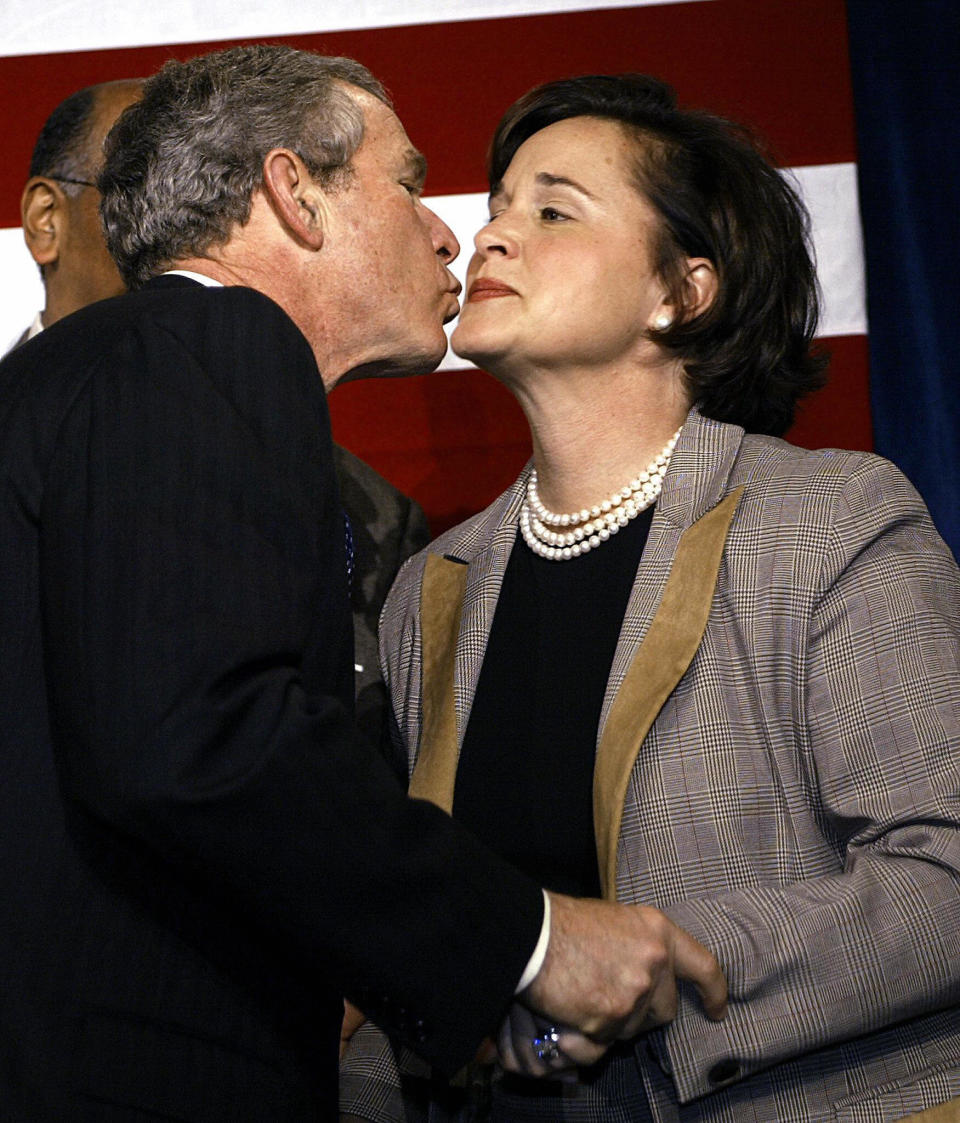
(610, 973)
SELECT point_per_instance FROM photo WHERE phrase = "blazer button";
(723, 1071)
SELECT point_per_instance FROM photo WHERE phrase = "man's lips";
(453, 290)
(484, 288)
(452, 309)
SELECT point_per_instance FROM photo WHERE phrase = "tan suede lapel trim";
(942, 1113)
(658, 665)
(441, 605)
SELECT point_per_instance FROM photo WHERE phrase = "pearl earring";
(662, 322)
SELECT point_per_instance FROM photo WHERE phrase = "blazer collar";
(697, 480)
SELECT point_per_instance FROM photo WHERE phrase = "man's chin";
(419, 361)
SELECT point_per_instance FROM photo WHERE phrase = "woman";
(681, 662)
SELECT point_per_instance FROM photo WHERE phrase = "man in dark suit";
(62, 231)
(199, 856)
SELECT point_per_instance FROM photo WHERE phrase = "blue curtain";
(905, 64)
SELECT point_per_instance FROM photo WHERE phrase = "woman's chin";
(475, 345)
(465, 346)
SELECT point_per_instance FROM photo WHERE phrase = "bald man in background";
(59, 204)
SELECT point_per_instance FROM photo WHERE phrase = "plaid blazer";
(778, 767)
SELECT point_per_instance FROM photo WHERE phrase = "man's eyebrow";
(416, 165)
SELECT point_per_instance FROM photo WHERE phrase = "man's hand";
(611, 970)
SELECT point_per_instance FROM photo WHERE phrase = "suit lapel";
(679, 562)
(458, 598)
(657, 666)
(441, 603)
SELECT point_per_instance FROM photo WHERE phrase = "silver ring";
(546, 1046)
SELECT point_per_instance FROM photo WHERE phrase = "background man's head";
(59, 204)
(288, 172)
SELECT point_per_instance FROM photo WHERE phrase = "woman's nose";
(496, 238)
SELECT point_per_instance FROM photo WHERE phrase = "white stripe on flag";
(21, 291)
(77, 25)
(830, 192)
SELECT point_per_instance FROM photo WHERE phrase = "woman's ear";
(295, 196)
(699, 286)
(41, 213)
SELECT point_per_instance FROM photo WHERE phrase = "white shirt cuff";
(540, 951)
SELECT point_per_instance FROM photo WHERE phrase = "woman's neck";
(590, 438)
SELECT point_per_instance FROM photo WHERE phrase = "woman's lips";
(485, 289)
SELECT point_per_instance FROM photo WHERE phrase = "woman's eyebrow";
(548, 179)
(544, 179)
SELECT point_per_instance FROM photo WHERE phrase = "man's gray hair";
(182, 164)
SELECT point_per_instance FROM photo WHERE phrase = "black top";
(525, 778)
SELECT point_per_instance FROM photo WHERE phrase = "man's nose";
(444, 240)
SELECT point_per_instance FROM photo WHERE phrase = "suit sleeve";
(197, 632)
(822, 960)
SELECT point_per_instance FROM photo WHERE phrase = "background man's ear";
(42, 213)
(295, 196)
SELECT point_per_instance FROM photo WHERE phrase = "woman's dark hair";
(747, 357)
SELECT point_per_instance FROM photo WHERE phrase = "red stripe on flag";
(455, 440)
(780, 67)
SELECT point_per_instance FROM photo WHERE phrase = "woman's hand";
(353, 1019)
(531, 1046)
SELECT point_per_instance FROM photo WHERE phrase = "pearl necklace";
(590, 526)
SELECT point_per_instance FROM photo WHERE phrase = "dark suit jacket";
(388, 528)
(197, 855)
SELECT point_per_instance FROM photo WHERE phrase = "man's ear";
(43, 212)
(295, 196)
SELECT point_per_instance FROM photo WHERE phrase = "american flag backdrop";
(455, 438)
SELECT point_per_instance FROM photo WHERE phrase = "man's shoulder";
(466, 541)
(180, 305)
(234, 329)
(179, 344)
